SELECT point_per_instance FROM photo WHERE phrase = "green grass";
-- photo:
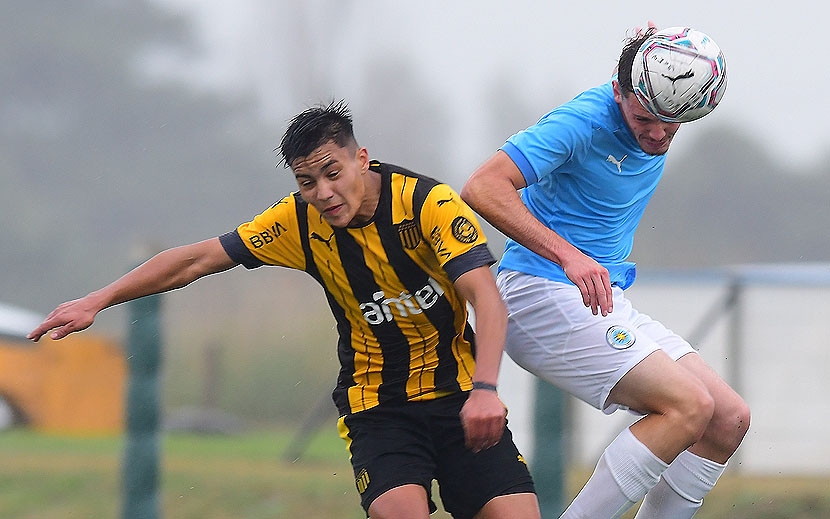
(213, 477)
(751, 497)
(206, 477)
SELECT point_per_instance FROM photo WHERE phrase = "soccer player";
(398, 255)
(587, 170)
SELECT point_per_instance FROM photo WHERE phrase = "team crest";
(619, 337)
(410, 233)
(463, 230)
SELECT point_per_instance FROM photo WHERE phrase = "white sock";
(625, 472)
(681, 489)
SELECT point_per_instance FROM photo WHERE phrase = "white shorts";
(552, 334)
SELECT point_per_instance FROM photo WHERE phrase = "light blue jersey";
(588, 180)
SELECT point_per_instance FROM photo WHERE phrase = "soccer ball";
(679, 74)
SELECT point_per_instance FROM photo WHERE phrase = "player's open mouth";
(333, 210)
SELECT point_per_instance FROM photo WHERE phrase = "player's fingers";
(639, 31)
(602, 294)
(490, 434)
(471, 433)
(586, 294)
(609, 295)
(495, 432)
(38, 332)
(483, 432)
(474, 438)
(594, 301)
(60, 332)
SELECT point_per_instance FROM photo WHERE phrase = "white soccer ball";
(679, 74)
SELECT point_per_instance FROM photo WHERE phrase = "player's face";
(653, 135)
(335, 181)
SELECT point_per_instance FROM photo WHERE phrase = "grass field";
(213, 477)
(206, 477)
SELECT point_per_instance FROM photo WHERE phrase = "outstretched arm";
(483, 415)
(492, 192)
(167, 270)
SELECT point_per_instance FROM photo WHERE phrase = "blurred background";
(130, 127)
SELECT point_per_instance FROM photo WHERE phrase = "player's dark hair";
(314, 127)
(632, 45)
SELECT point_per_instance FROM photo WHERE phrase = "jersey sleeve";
(540, 149)
(271, 238)
(453, 232)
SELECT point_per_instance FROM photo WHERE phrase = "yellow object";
(74, 385)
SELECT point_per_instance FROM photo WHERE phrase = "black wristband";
(485, 385)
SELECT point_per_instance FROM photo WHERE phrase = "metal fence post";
(140, 466)
(548, 467)
(735, 350)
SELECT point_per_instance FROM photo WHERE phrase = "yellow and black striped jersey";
(389, 283)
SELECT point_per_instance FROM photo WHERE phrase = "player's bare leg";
(679, 404)
(679, 409)
(682, 487)
(730, 420)
(403, 502)
(512, 506)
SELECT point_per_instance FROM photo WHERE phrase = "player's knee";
(730, 424)
(695, 413)
(738, 425)
(742, 419)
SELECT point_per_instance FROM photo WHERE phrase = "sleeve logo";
(267, 236)
(463, 230)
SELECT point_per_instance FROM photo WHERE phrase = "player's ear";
(362, 157)
(617, 91)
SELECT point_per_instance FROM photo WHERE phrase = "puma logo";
(315, 236)
(442, 202)
(687, 75)
(616, 162)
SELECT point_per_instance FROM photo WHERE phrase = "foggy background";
(132, 126)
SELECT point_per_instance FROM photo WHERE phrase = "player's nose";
(324, 190)
(657, 132)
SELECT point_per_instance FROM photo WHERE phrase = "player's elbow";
(471, 193)
(467, 193)
(488, 184)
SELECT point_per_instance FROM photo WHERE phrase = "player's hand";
(640, 31)
(69, 317)
(483, 418)
(593, 282)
